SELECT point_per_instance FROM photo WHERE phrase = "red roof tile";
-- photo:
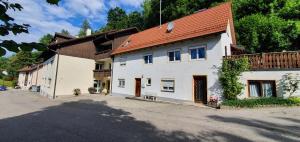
(207, 22)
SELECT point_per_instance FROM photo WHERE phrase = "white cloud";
(131, 3)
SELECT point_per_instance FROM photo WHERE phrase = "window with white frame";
(122, 61)
(149, 82)
(148, 59)
(174, 55)
(198, 53)
(121, 83)
(168, 85)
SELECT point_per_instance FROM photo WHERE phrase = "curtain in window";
(254, 90)
(201, 53)
(177, 55)
(267, 90)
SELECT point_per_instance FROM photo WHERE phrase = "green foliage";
(275, 33)
(65, 32)
(7, 83)
(46, 39)
(229, 75)
(260, 102)
(84, 27)
(8, 26)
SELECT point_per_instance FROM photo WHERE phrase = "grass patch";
(261, 102)
(6, 83)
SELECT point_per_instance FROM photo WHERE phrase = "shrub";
(76, 92)
(92, 90)
(229, 77)
(260, 102)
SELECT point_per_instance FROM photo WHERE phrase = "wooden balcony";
(271, 61)
(101, 74)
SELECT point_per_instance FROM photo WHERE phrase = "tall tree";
(135, 19)
(65, 32)
(84, 27)
(8, 25)
(46, 39)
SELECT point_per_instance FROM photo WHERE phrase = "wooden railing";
(274, 60)
(100, 74)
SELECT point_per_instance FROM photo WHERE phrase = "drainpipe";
(56, 71)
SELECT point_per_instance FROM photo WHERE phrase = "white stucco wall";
(48, 72)
(74, 72)
(182, 72)
(277, 76)
(21, 80)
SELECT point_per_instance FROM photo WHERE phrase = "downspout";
(56, 72)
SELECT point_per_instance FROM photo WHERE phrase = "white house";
(30, 76)
(177, 60)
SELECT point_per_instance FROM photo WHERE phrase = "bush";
(92, 90)
(260, 102)
(229, 75)
(76, 92)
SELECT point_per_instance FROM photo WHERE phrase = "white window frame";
(122, 61)
(168, 89)
(121, 83)
(147, 83)
(197, 47)
(148, 59)
(174, 55)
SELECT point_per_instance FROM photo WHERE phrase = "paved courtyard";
(27, 117)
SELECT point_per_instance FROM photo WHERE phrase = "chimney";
(88, 32)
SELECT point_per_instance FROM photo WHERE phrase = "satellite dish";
(170, 27)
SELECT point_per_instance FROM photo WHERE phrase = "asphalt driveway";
(27, 117)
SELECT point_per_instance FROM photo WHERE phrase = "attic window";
(170, 27)
(127, 43)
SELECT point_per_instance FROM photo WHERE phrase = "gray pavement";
(28, 117)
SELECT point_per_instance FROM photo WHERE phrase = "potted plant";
(214, 102)
(92, 90)
(76, 92)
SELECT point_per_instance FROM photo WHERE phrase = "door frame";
(135, 88)
(193, 89)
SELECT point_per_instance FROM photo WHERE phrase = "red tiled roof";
(207, 22)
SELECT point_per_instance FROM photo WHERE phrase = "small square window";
(121, 83)
(148, 81)
(148, 59)
(167, 85)
(198, 53)
(174, 56)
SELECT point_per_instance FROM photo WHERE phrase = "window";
(198, 53)
(99, 66)
(49, 82)
(148, 59)
(121, 83)
(261, 88)
(148, 81)
(167, 85)
(174, 56)
(122, 61)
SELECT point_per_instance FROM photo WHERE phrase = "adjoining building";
(72, 63)
(181, 60)
(29, 76)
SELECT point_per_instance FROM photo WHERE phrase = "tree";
(135, 19)
(7, 26)
(20, 60)
(65, 32)
(84, 27)
(46, 39)
(3, 65)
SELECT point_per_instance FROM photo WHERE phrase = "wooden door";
(137, 87)
(200, 89)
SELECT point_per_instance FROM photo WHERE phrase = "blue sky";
(69, 14)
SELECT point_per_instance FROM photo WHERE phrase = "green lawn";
(6, 83)
(261, 102)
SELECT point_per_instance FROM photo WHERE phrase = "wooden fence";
(273, 60)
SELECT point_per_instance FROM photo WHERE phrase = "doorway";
(200, 89)
(97, 86)
(137, 87)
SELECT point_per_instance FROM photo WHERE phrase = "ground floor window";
(121, 83)
(167, 85)
(262, 88)
(148, 81)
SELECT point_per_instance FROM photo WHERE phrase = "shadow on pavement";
(272, 131)
(87, 120)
